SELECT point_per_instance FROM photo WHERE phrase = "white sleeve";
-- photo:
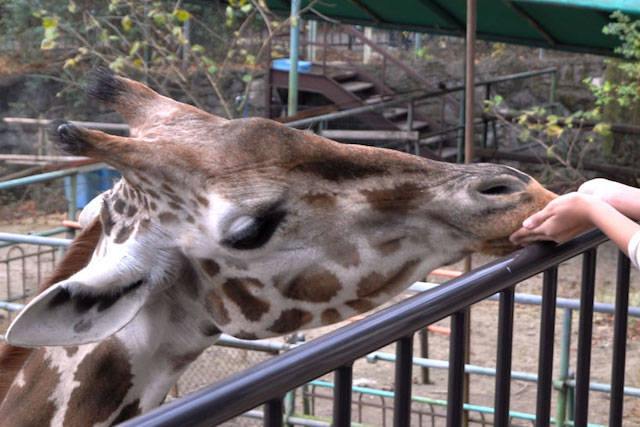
(634, 249)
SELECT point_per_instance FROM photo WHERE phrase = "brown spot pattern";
(374, 284)
(320, 200)
(329, 316)
(244, 335)
(123, 234)
(105, 218)
(290, 320)
(389, 247)
(71, 350)
(203, 201)
(105, 379)
(119, 206)
(40, 382)
(167, 217)
(360, 305)
(399, 199)
(209, 266)
(317, 285)
(153, 194)
(215, 307)
(131, 211)
(344, 253)
(338, 170)
(252, 307)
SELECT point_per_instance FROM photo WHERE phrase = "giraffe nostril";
(500, 187)
(497, 190)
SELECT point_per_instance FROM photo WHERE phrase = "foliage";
(171, 45)
(573, 138)
(625, 90)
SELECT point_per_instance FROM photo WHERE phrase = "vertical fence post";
(455, 390)
(342, 395)
(273, 413)
(424, 353)
(503, 357)
(619, 341)
(293, 58)
(552, 90)
(585, 328)
(403, 368)
(485, 121)
(563, 372)
(545, 355)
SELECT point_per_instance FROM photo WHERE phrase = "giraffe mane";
(76, 257)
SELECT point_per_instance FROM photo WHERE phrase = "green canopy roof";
(574, 25)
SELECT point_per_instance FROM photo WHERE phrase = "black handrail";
(270, 380)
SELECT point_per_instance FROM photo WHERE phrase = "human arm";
(573, 213)
(623, 198)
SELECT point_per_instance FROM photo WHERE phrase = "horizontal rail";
(483, 370)
(51, 175)
(440, 402)
(268, 380)
(414, 97)
(34, 240)
(529, 299)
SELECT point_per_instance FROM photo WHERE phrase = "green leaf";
(212, 69)
(198, 48)
(71, 62)
(47, 44)
(72, 7)
(126, 22)
(246, 78)
(117, 65)
(134, 48)
(50, 22)
(182, 15)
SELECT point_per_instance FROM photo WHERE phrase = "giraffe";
(241, 226)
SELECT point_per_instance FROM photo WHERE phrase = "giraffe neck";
(120, 377)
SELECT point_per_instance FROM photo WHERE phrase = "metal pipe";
(405, 99)
(563, 375)
(503, 357)
(402, 399)
(342, 395)
(528, 299)
(34, 240)
(545, 347)
(273, 412)
(619, 340)
(585, 330)
(293, 58)
(50, 175)
(470, 77)
(455, 388)
(51, 232)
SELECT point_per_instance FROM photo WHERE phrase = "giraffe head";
(281, 229)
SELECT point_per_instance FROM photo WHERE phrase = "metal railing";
(267, 382)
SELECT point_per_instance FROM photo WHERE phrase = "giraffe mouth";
(495, 247)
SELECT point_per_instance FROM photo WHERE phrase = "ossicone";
(104, 85)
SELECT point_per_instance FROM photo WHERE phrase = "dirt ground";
(379, 375)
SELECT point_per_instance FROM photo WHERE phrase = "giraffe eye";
(253, 232)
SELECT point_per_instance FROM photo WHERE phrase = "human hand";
(561, 220)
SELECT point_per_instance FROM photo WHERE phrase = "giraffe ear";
(68, 313)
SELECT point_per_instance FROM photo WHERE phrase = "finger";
(537, 219)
